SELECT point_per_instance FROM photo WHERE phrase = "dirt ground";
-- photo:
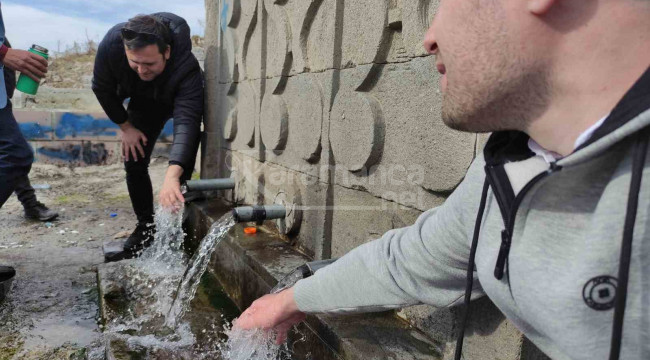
(51, 312)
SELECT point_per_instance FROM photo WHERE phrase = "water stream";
(197, 266)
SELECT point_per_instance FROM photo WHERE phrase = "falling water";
(252, 345)
(197, 266)
(260, 344)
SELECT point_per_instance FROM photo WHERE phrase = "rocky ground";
(51, 311)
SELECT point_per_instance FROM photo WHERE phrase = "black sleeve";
(188, 114)
(10, 77)
(104, 83)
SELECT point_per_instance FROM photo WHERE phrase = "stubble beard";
(491, 84)
(496, 103)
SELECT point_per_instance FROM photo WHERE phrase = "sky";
(57, 24)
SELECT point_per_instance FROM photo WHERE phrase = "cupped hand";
(277, 312)
(30, 64)
(170, 196)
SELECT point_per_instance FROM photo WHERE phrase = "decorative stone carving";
(305, 101)
(292, 202)
(230, 12)
(247, 112)
(278, 40)
(230, 126)
(274, 119)
(228, 71)
(333, 38)
(416, 18)
(356, 130)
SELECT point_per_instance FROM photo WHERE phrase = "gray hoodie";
(559, 232)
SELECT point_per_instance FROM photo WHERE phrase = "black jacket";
(180, 86)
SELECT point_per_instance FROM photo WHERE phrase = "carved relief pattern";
(284, 59)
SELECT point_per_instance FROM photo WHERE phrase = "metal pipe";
(318, 264)
(210, 184)
(302, 272)
(259, 213)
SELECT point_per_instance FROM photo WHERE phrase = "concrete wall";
(332, 107)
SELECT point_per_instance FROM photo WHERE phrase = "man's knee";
(136, 167)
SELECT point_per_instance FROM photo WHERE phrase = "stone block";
(359, 217)
(35, 125)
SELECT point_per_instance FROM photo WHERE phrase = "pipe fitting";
(259, 213)
(210, 184)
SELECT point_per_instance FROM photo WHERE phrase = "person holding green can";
(15, 154)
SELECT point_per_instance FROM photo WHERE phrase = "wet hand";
(170, 196)
(277, 312)
(133, 141)
(30, 64)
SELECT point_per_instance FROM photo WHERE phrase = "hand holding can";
(31, 64)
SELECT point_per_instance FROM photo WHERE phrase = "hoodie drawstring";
(638, 164)
(470, 271)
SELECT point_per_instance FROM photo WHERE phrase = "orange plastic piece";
(250, 230)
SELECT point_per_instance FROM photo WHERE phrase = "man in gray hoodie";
(552, 222)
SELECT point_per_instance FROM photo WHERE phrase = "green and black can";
(25, 83)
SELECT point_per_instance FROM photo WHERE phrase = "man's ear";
(540, 7)
(168, 52)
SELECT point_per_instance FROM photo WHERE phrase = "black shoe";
(40, 212)
(7, 274)
(140, 238)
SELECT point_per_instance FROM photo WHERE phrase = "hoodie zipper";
(506, 234)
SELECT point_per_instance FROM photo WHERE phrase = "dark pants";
(25, 192)
(149, 117)
(16, 156)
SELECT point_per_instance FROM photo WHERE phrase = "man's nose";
(430, 41)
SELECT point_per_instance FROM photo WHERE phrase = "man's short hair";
(144, 30)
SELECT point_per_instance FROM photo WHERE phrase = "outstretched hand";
(30, 64)
(277, 312)
(170, 196)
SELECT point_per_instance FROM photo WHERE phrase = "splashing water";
(168, 240)
(149, 283)
(252, 344)
(198, 264)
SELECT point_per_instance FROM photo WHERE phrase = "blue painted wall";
(82, 125)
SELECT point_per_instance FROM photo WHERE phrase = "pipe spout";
(302, 272)
(210, 184)
(314, 266)
(259, 213)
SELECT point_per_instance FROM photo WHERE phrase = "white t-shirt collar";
(550, 156)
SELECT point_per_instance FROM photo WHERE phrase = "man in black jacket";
(149, 61)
